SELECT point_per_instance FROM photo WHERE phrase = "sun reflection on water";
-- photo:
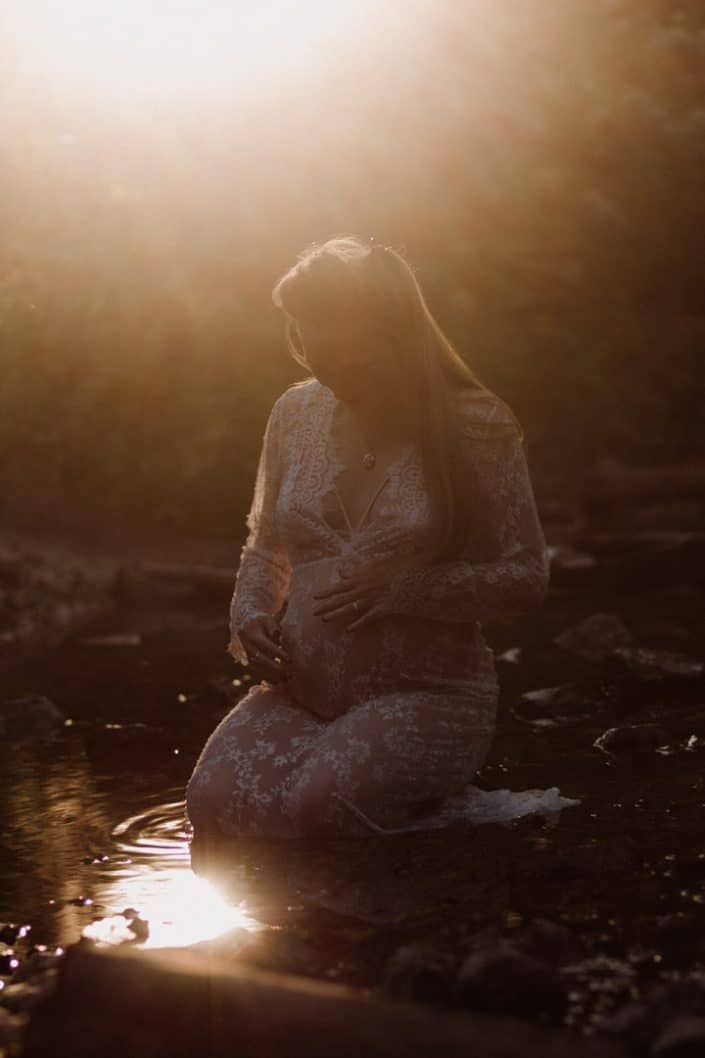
(150, 874)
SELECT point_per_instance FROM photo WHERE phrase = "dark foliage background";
(542, 166)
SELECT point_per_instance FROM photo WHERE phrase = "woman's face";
(353, 360)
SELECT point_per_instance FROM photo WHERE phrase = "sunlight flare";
(125, 48)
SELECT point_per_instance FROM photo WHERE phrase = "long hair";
(347, 275)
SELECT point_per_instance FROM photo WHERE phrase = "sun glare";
(123, 48)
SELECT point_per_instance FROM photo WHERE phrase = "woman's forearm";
(460, 591)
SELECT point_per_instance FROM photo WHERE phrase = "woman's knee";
(316, 804)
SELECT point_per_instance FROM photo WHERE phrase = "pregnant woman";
(392, 514)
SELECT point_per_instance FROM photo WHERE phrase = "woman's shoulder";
(297, 396)
(483, 415)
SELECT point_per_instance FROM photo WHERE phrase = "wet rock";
(504, 980)
(684, 1037)
(549, 942)
(647, 664)
(124, 928)
(125, 1001)
(632, 738)
(420, 972)
(600, 982)
(596, 637)
(640, 1023)
(567, 703)
(32, 717)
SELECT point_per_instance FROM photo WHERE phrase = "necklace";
(368, 456)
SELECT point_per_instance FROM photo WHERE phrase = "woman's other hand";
(261, 638)
(359, 593)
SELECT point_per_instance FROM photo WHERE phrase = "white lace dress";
(379, 722)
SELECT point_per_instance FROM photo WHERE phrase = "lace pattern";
(402, 708)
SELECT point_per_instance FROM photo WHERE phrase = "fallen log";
(180, 1003)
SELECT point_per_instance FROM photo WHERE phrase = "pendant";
(368, 460)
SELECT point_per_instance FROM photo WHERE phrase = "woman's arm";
(263, 576)
(504, 569)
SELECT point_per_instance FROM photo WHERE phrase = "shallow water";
(92, 826)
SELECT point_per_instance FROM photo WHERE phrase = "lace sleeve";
(503, 570)
(264, 573)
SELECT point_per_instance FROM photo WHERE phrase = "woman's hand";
(358, 595)
(261, 638)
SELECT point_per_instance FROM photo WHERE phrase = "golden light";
(180, 908)
(150, 873)
(124, 48)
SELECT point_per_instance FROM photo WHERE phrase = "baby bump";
(334, 669)
(318, 649)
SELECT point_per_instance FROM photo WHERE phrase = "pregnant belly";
(333, 669)
(319, 650)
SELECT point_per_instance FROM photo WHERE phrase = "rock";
(646, 664)
(125, 1001)
(117, 929)
(596, 637)
(419, 972)
(601, 980)
(632, 738)
(640, 1023)
(503, 980)
(568, 702)
(684, 1037)
(32, 717)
